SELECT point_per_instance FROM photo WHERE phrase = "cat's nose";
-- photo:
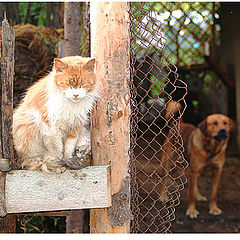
(75, 95)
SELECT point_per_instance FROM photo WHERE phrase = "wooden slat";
(29, 191)
(49, 214)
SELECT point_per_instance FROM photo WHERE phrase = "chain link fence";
(157, 105)
(191, 29)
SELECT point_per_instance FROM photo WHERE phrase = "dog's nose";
(222, 131)
(75, 95)
(222, 134)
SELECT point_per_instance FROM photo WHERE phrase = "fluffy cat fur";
(52, 116)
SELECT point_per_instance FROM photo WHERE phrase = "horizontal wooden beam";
(219, 71)
(47, 214)
(30, 191)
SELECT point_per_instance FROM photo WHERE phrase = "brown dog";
(207, 142)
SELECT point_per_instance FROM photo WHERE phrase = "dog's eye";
(215, 123)
(224, 123)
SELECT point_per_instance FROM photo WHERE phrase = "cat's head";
(75, 76)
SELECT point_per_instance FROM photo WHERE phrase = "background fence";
(156, 96)
(192, 34)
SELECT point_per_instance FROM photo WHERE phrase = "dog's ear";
(202, 127)
(232, 124)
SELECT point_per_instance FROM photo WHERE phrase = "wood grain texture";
(7, 74)
(49, 214)
(8, 223)
(72, 25)
(29, 191)
(111, 116)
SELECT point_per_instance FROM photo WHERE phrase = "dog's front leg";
(217, 172)
(197, 164)
(167, 155)
(192, 191)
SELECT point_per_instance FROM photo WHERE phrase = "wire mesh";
(157, 104)
(188, 29)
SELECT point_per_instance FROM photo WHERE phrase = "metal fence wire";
(157, 105)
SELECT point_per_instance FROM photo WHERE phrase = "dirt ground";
(228, 194)
(228, 201)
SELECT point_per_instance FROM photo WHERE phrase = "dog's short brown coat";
(207, 142)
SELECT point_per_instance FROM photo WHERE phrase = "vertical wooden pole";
(214, 57)
(237, 84)
(76, 43)
(7, 224)
(110, 119)
(230, 59)
(72, 28)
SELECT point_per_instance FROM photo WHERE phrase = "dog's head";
(217, 126)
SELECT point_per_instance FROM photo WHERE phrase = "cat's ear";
(90, 64)
(59, 66)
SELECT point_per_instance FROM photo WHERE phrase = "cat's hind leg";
(27, 141)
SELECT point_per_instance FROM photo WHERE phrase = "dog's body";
(207, 142)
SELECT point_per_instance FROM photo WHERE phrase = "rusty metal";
(154, 84)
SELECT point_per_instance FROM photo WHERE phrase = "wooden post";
(7, 224)
(72, 28)
(230, 59)
(75, 34)
(237, 84)
(110, 119)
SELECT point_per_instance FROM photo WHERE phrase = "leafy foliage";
(37, 14)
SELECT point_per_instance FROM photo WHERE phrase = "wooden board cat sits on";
(52, 116)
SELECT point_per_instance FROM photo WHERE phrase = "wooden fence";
(96, 187)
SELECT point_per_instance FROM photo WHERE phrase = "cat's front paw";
(52, 164)
(76, 163)
(83, 151)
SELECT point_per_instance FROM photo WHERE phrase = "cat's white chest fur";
(62, 109)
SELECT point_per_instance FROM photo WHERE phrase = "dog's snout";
(222, 134)
(222, 131)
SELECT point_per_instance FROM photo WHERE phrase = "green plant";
(40, 224)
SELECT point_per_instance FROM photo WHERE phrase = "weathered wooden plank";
(52, 214)
(29, 191)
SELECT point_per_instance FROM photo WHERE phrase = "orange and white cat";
(51, 117)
